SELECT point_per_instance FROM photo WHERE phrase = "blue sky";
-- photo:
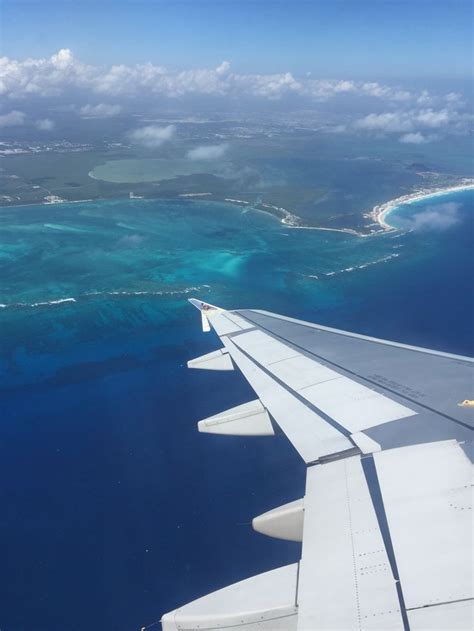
(372, 68)
(333, 38)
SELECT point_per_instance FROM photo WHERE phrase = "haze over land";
(271, 108)
(298, 147)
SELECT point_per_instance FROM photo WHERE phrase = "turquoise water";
(115, 508)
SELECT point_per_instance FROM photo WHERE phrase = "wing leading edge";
(386, 521)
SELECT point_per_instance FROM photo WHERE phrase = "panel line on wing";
(284, 359)
(311, 435)
(319, 383)
(325, 361)
(366, 338)
(346, 577)
(446, 602)
(301, 399)
(427, 495)
(373, 484)
(351, 404)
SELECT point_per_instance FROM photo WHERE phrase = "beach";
(380, 213)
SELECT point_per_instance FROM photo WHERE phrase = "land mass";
(269, 169)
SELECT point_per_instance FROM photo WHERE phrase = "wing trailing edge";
(386, 519)
(248, 419)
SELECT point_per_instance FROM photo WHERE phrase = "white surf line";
(58, 301)
(236, 201)
(290, 220)
(345, 230)
(38, 304)
(353, 268)
(380, 213)
(194, 194)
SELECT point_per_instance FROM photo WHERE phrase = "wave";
(42, 303)
(346, 270)
(70, 299)
(165, 292)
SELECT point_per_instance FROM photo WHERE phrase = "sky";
(370, 67)
(360, 39)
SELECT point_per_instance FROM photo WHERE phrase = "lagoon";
(150, 169)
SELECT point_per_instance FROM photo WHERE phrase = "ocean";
(114, 509)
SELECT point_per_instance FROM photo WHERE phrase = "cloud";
(223, 68)
(453, 97)
(388, 122)
(385, 92)
(62, 72)
(44, 77)
(12, 119)
(335, 129)
(415, 138)
(410, 121)
(207, 152)
(434, 119)
(102, 110)
(267, 86)
(425, 98)
(62, 59)
(436, 217)
(45, 124)
(151, 136)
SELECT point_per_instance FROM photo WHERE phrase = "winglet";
(203, 306)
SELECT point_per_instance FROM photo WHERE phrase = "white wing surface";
(386, 525)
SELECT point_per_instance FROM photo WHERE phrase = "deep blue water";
(114, 508)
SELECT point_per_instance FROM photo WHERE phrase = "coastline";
(380, 213)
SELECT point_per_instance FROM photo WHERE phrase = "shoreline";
(380, 213)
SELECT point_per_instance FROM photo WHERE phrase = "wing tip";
(203, 306)
(196, 303)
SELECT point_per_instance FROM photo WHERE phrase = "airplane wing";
(386, 523)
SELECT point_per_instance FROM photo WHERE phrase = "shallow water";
(114, 508)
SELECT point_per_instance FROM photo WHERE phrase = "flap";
(265, 601)
(248, 419)
(217, 360)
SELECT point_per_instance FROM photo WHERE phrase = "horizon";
(369, 68)
(365, 40)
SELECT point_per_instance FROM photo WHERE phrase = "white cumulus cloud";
(389, 93)
(434, 119)
(101, 110)
(45, 124)
(62, 72)
(413, 121)
(223, 68)
(207, 152)
(453, 97)
(12, 119)
(62, 59)
(436, 217)
(152, 136)
(387, 122)
(414, 138)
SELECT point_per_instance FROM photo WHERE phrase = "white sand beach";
(380, 213)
